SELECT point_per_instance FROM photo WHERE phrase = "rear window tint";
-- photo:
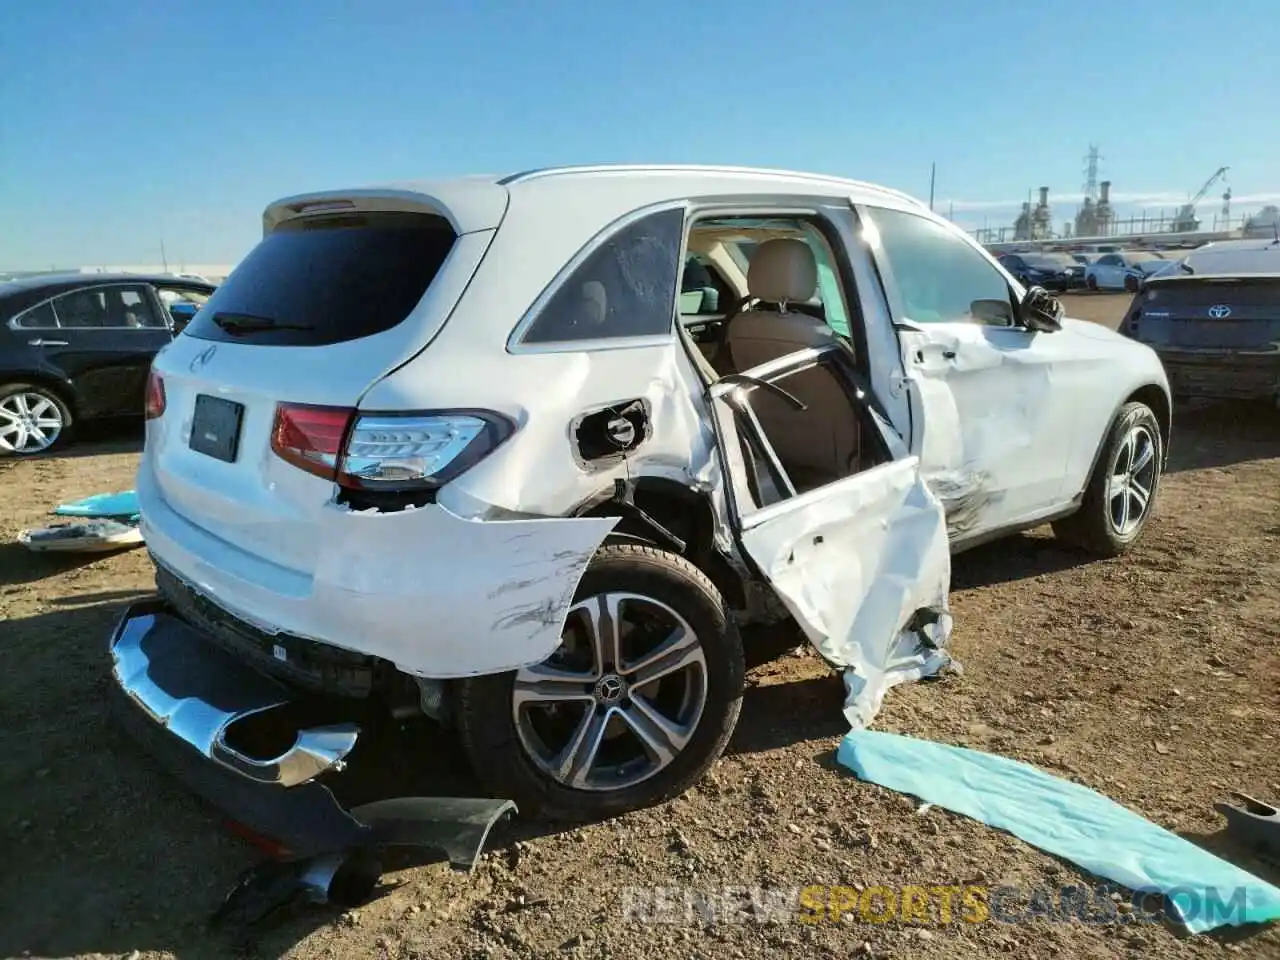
(328, 280)
(626, 287)
(37, 318)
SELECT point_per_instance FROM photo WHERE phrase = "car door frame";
(100, 359)
(975, 513)
(900, 627)
(871, 333)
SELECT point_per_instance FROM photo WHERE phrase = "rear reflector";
(155, 401)
(310, 437)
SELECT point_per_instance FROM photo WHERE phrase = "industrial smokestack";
(1044, 196)
(1105, 187)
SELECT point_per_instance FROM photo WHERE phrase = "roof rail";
(545, 172)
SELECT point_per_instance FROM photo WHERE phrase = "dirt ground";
(1152, 679)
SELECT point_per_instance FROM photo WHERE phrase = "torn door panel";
(854, 565)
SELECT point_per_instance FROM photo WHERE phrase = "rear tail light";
(310, 437)
(385, 452)
(153, 406)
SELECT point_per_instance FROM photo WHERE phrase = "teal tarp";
(1068, 820)
(122, 504)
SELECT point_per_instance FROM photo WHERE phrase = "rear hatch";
(1208, 313)
(322, 308)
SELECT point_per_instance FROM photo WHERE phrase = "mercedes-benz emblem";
(609, 689)
(203, 357)
(1220, 311)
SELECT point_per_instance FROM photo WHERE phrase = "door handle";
(38, 342)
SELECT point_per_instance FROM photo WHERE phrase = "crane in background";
(1185, 220)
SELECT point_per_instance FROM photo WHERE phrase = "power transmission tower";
(1091, 173)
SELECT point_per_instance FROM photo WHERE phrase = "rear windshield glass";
(327, 280)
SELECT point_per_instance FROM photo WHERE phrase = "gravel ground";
(1151, 679)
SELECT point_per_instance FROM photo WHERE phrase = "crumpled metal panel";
(854, 567)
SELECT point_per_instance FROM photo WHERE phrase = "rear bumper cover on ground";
(1224, 374)
(191, 705)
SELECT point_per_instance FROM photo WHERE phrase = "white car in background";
(1123, 271)
(1234, 257)
(532, 451)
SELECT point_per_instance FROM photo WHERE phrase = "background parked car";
(1053, 271)
(1254, 256)
(1214, 319)
(78, 347)
(1123, 271)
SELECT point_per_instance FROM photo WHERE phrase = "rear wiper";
(242, 323)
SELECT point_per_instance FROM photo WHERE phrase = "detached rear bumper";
(185, 699)
(1222, 375)
(236, 739)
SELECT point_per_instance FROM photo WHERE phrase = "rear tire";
(511, 725)
(33, 419)
(1126, 480)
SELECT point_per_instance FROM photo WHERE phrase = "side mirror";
(1041, 310)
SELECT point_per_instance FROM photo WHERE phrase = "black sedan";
(1053, 271)
(77, 347)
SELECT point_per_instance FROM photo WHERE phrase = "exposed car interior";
(755, 291)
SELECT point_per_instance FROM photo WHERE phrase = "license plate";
(215, 427)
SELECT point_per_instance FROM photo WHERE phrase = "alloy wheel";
(1132, 480)
(29, 422)
(618, 700)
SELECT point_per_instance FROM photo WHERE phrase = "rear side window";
(328, 280)
(626, 286)
(37, 318)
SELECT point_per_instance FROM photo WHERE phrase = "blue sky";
(125, 122)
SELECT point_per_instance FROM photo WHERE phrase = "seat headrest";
(595, 301)
(782, 270)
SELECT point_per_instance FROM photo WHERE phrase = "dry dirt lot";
(1152, 679)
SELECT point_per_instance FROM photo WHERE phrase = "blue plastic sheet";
(1068, 820)
(106, 505)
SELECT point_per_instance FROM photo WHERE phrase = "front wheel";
(1122, 491)
(1091, 283)
(1131, 284)
(634, 706)
(33, 419)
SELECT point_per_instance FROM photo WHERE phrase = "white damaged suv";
(524, 453)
